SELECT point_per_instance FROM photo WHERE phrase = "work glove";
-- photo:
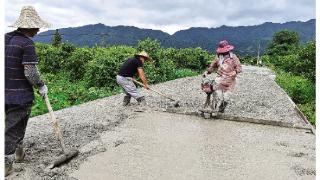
(43, 90)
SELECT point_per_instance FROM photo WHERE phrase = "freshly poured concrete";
(171, 146)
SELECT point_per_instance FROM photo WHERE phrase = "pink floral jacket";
(228, 68)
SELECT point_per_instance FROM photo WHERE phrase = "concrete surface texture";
(169, 146)
(150, 143)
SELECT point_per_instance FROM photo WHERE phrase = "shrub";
(192, 58)
(309, 109)
(248, 60)
(49, 58)
(300, 89)
(180, 73)
(102, 70)
(52, 59)
(151, 72)
(151, 46)
(166, 70)
(286, 63)
(68, 47)
(307, 57)
(77, 62)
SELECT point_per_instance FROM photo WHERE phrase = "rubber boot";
(141, 101)
(223, 106)
(126, 100)
(8, 164)
(19, 154)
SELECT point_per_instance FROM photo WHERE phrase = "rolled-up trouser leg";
(226, 96)
(219, 98)
(223, 99)
(128, 86)
(15, 125)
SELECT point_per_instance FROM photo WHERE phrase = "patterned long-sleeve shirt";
(226, 66)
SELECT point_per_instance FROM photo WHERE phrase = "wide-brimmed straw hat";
(29, 18)
(224, 47)
(144, 54)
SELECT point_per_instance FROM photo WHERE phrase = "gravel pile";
(256, 96)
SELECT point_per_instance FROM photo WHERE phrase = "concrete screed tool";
(67, 155)
(176, 103)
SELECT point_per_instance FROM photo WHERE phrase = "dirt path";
(257, 97)
(169, 146)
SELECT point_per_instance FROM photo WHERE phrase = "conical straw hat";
(29, 18)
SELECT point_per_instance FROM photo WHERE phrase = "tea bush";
(103, 68)
(77, 62)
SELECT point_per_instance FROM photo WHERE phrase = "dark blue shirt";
(130, 67)
(19, 51)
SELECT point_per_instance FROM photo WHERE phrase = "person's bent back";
(130, 68)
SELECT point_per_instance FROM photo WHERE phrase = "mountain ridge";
(245, 38)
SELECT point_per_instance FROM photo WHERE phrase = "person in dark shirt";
(131, 67)
(21, 75)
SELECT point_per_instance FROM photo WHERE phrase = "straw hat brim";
(31, 25)
(139, 55)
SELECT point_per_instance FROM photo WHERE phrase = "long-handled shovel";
(67, 155)
(176, 104)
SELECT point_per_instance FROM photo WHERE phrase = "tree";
(284, 42)
(307, 57)
(56, 39)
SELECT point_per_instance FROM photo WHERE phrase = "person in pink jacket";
(228, 66)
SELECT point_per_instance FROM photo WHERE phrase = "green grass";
(308, 110)
(63, 93)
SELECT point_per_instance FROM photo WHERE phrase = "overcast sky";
(166, 15)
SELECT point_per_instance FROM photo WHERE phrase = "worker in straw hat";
(131, 67)
(228, 66)
(21, 75)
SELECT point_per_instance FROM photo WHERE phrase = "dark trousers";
(15, 126)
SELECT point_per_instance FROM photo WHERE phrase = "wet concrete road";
(170, 146)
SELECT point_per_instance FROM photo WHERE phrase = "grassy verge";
(302, 92)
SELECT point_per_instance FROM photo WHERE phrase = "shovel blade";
(64, 158)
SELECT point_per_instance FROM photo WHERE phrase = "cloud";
(166, 15)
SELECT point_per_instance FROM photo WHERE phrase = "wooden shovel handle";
(55, 122)
(153, 90)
